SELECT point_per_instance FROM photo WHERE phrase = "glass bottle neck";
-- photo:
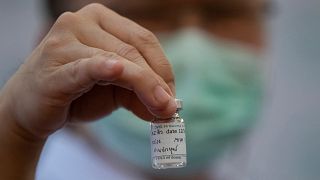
(173, 118)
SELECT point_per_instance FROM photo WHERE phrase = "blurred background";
(285, 142)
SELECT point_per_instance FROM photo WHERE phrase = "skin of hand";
(91, 62)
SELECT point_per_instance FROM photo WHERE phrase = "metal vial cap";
(179, 103)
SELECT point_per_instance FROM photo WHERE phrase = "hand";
(90, 63)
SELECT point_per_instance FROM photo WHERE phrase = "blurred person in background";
(215, 49)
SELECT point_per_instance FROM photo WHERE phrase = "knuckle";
(53, 42)
(163, 63)
(143, 74)
(146, 37)
(164, 69)
(74, 70)
(66, 18)
(140, 75)
(95, 7)
(111, 55)
(96, 51)
(128, 51)
(74, 75)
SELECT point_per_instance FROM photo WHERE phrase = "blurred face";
(236, 20)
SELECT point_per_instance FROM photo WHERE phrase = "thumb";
(79, 77)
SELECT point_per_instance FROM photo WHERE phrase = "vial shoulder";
(174, 118)
(177, 118)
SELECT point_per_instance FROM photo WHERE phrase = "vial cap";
(179, 103)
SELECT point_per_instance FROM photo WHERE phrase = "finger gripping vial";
(168, 141)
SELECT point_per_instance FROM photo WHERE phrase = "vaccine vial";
(168, 141)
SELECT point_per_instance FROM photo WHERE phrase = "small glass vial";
(168, 141)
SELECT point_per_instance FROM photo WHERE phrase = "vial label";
(168, 145)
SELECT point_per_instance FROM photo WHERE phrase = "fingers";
(81, 75)
(119, 53)
(135, 35)
(103, 40)
(72, 51)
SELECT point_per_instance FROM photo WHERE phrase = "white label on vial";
(168, 142)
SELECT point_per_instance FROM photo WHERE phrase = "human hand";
(89, 64)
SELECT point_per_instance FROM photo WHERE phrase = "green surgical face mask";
(220, 85)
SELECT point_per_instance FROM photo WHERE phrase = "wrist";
(8, 120)
(20, 150)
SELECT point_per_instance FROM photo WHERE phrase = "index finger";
(132, 33)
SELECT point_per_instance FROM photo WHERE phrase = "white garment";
(67, 157)
(286, 144)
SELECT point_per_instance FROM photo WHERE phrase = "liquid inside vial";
(168, 142)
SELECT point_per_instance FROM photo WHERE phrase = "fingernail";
(161, 95)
